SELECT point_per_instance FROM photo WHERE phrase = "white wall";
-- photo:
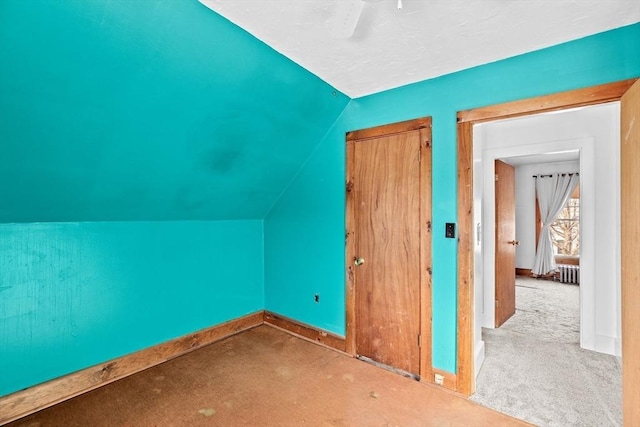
(478, 264)
(526, 206)
(594, 131)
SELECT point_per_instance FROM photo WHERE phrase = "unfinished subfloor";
(266, 377)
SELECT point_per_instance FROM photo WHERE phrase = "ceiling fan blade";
(346, 19)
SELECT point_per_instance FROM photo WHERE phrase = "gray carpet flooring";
(535, 370)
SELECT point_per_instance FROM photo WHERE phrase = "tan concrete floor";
(266, 377)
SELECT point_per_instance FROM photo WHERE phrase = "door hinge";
(497, 303)
(496, 177)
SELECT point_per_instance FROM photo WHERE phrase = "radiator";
(569, 273)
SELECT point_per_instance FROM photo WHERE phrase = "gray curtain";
(553, 192)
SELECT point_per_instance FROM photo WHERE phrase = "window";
(565, 231)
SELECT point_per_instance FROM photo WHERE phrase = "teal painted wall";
(163, 111)
(128, 130)
(304, 241)
(304, 232)
(76, 294)
(147, 110)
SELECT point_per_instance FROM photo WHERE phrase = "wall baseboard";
(524, 272)
(479, 358)
(305, 331)
(605, 344)
(338, 343)
(450, 381)
(41, 396)
(25, 402)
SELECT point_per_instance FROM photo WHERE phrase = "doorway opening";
(467, 120)
(566, 141)
(531, 357)
(621, 90)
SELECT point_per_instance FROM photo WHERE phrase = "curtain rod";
(563, 174)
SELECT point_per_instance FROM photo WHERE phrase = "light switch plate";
(450, 230)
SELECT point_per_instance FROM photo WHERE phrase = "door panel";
(505, 259)
(630, 247)
(387, 237)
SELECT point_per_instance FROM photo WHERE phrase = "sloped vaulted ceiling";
(392, 47)
(165, 110)
(147, 110)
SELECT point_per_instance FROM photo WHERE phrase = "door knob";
(514, 242)
(358, 261)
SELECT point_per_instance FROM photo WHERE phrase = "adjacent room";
(243, 212)
(530, 352)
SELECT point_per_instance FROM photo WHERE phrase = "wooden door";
(630, 248)
(505, 258)
(386, 202)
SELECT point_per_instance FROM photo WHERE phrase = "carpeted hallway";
(267, 377)
(535, 369)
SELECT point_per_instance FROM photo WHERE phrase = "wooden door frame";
(426, 371)
(629, 247)
(465, 379)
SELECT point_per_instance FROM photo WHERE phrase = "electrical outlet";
(439, 379)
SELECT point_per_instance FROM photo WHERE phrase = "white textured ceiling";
(425, 39)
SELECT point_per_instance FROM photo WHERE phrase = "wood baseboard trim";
(305, 331)
(41, 396)
(524, 272)
(450, 382)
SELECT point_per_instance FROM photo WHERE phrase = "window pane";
(565, 231)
